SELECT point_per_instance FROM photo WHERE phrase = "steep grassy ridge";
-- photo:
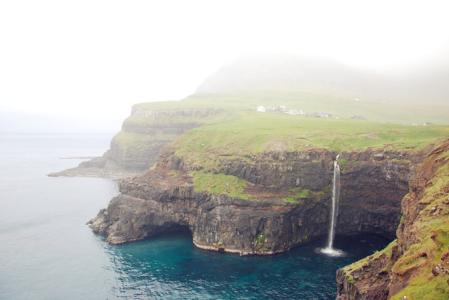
(416, 265)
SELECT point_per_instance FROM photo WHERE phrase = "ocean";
(48, 252)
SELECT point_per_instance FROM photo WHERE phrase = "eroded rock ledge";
(165, 199)
(416, 264)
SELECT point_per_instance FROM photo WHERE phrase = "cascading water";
(329, 250)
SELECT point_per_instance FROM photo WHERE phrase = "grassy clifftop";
(205, 127)
(375, 111)
(253, 132)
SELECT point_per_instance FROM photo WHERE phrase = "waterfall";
(334, 208)
(334, 211)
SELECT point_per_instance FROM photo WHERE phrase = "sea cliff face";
(416, 264)
(143, 137)
(285, 201)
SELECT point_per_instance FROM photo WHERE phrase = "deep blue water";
(47, 251)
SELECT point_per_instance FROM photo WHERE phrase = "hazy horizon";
(91, 61)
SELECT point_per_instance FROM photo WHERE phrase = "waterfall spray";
(334, 212)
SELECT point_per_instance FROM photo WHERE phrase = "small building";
(261, 108)
(323, 115)
(295, 112)
(282, 108)
(358, 117)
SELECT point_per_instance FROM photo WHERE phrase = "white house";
(261, 108)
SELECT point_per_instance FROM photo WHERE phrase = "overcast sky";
(96, 58)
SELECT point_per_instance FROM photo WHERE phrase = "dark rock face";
(374, 277)
(283, 170)
(417, 263)
(371, 193)
(372, 183)
(158, 202)
(216, 222)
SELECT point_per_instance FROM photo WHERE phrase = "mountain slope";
(416, 265)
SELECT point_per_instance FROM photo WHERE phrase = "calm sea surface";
(47, 251)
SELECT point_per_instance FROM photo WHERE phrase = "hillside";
(416, 264)
(420, 84)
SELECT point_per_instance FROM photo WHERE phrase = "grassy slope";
(220, 184)
(432, 232)
(342, 107)
(253, 132)
(234, 187)
(239, 131)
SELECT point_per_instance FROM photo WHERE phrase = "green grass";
(220, 184)
(342, 107)
(431, 232)
(135, 144)
(364, 261)
(260, 240)
(252, 133)
(297, 194)
(423, 285)
(236, 130)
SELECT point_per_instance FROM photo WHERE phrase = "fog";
(82, 64)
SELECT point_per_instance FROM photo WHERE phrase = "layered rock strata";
(165, 199)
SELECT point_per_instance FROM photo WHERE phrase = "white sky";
(96, 58)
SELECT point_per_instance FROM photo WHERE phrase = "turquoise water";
(47, 251)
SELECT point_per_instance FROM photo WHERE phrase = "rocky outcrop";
(142, 139)
(165, 199)
(373, 182)
(416, 265)
(159, 202)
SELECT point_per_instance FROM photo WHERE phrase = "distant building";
(261, 108)
(324, 115)
(295, 112)
(282, 108)
(358, 117)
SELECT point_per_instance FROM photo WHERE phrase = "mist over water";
(48, 252)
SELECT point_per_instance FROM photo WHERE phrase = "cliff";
(153, 126)
(264, 204)
(260, 183)
(416, 264)
(144, 134)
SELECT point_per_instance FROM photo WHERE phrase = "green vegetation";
(260, 240)
(297, 194)
(344, 108)
(254, 132)
(220, 184)
(231, 128)
(131, 145)
(128, 140)
(432, 232)
(430, 249)
(364, 261)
